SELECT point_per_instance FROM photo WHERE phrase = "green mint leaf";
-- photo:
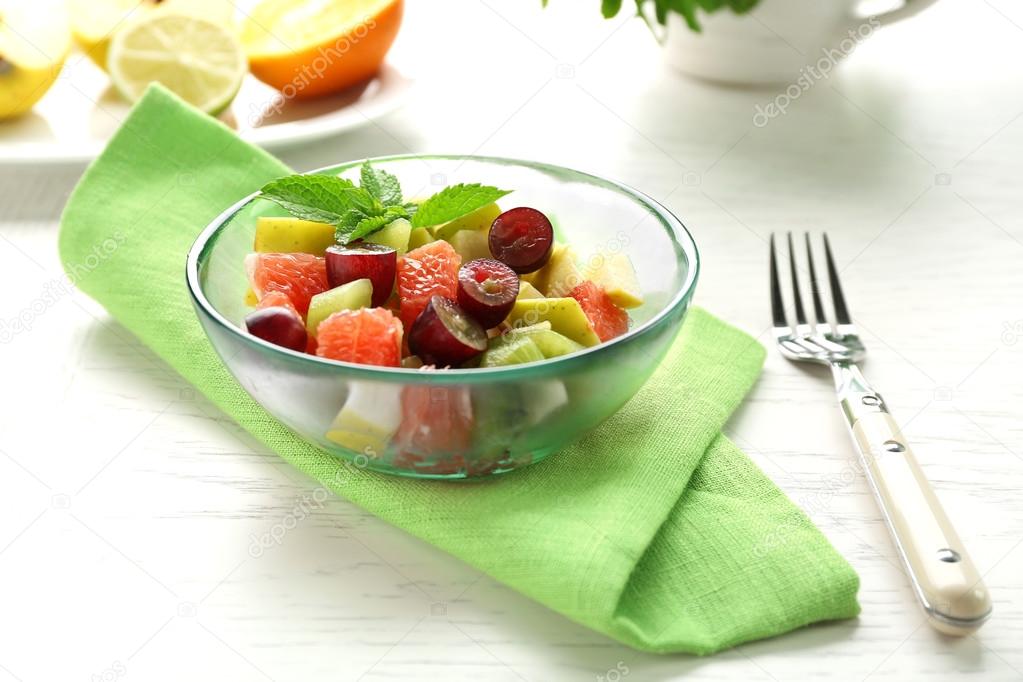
(382, 185)
(454, 202)
(357, 225)
(369, 225)
(323, 198)
(346, 224)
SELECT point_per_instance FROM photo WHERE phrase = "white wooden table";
(129, 503)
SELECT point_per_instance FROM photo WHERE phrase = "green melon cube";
(419, 237)
(511, 351)
(395, 235)
(351, 296)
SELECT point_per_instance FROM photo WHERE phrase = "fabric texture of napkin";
(653, 529)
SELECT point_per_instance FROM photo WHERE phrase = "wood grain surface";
(130, 505)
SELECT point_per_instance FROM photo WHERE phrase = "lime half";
(200, 61)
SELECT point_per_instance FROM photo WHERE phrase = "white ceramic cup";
(775, 42)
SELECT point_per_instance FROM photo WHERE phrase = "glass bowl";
(459, 423)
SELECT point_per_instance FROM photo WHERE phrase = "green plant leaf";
(454, 202)
(323, 198)
(610, 8)
(381, 184)
(371, 224)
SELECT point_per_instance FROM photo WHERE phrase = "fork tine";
(815, 286)
(800, 313)
(841, 311)
(777, 307)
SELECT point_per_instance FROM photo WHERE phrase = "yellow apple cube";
(369, 418)
(560, 275)
(480, 219)
(471, 244)
(614, 273)
(565, 315)
(527, 290)
(292, 235)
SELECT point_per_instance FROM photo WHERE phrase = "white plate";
(78, 115)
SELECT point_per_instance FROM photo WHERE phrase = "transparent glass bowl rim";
(673, 226)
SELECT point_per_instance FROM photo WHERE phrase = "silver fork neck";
(855, 394)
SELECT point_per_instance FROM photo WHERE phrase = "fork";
(944, 578)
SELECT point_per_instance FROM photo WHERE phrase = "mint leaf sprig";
(357, 211)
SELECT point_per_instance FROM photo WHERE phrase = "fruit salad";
(358, 273)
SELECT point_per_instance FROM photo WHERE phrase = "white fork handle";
(944, 577)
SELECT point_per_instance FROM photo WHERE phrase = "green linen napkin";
(653, 529)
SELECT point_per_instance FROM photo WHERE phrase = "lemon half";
(199, 60)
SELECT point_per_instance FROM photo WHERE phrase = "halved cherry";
(278, 325)
(444, 334)
(486, 290)
(363, 260)
(522, 239)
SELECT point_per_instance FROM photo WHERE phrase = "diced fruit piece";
(368, 336)
(560, 275)
(278, 325)
(369, 418)
(527, 290)
(299, 275)
(276, 298)
(471, 244)
(395, 234)
(500, 417)
(361, 260)
(292, 235)
(607, 319)
(613, 272)
(251, 299)
(552, 344)
(564, 314)
(516, 350)
(351, 296)
(480, 219)
(419, 237)
(411, 362)
(431, 270)
(486, 290)
(539, 326)
(545, 398)
(444, 334)
(522, 238)
(436, 422)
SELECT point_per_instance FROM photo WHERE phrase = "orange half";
(308, 48)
